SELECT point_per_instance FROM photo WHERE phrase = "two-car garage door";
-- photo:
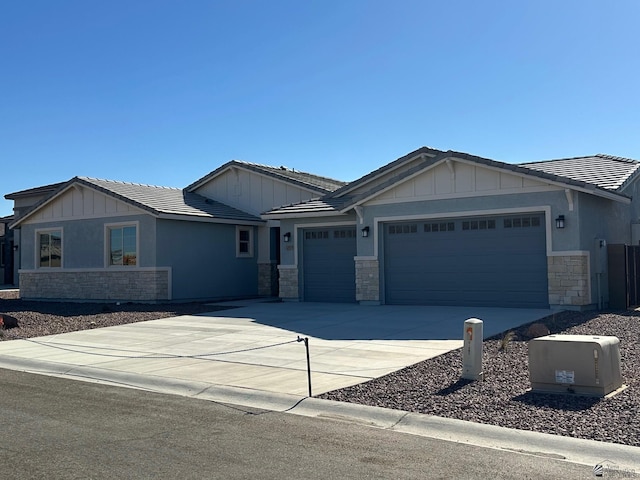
(497, 261)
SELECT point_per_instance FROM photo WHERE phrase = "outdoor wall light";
(365, 232)
(15, 248)
(560, 221)
(287, 237)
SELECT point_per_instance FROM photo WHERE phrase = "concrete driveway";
(255, 346)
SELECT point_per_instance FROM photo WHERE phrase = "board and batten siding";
(81, 203)
(459, 179)
(252, 192)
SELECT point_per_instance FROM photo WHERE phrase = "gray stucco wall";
(203, 260)
(601, 219)
(84, 274)
(632, 190)
(83, 241)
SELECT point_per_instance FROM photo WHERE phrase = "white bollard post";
(472, 350)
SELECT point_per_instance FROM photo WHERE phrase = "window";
(479, 224)
(521, 222)
(317, 235)
(244, 242)
(50, 248)
(123, 245)
(440, 227)
(403, 229)
(2, 253)
(351, 233)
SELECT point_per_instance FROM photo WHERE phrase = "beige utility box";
(582, 364)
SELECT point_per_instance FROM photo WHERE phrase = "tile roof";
(604, 171)
(166, 200)
(157, 201)
(307, 180)
(324, 205)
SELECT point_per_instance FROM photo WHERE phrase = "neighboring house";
(95, 239)
(22, 202)
(449, 228)
(6, 251)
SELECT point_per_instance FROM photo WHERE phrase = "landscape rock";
(537, 330)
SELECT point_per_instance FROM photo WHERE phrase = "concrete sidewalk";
(255, 347)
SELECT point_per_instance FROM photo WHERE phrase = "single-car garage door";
(490, 261)
(328, 267)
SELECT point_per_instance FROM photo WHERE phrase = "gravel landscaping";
(432, 386)
(36, 319)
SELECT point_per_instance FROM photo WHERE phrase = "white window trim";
(36, 250)
(107, 246)
(239, 229)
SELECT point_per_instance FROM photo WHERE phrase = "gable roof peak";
(310, 181)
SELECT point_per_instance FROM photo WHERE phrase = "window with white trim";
(122, 248)
(49, 248)
(244, 241)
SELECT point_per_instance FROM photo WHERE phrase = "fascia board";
(208, 177)
(437, 160)
(354, 185)
(301, 215)
(205, 219)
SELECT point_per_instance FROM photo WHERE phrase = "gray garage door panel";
(328, 267)
(493, 261)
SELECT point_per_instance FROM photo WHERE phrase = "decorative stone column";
(268, 279)
(289, 282)
(367, 279)
(569, 280)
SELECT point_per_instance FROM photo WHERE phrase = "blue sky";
(163, 92)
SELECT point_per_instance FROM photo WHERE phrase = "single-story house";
(448, 228)
(93, 239)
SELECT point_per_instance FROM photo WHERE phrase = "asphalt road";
(55, 428)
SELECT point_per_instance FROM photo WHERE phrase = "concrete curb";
(588, 452)
(581, 451)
